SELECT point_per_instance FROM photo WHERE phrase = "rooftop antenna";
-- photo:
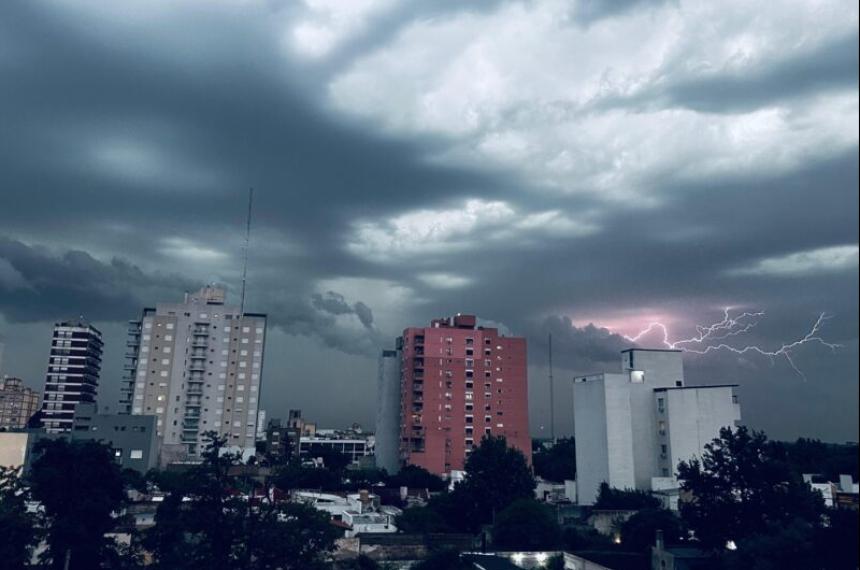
(551, 395)
(245, 250)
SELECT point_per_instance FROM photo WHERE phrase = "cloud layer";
(575, 168)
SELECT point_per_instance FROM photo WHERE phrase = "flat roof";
(696, 387)
(651, 350)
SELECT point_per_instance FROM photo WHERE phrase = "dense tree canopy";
(79, 486)
(526, 524)
(639, 532)
(205, 522)
(496, 476)
(558, 462)
(18, 531)
(738, 488)
(609, 498)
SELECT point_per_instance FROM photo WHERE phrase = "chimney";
(659, 542)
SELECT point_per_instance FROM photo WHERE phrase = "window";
(661, 405)
(135, 454)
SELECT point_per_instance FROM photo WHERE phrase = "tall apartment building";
(388, 411)
(460, 382)
(196, 365)
(633, 428)
(73, 373)
(18, 403)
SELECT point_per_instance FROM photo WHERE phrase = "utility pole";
(551, 395)
(245, 252)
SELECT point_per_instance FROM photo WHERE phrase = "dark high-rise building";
(73, 373)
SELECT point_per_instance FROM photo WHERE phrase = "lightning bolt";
(733, 326)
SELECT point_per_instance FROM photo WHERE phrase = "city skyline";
(608, 171)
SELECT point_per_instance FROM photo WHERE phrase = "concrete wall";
(388, 412)
(695, 417)
(13, 449)
(589, 420)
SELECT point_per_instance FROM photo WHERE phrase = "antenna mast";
(245, 250)
(551, 395)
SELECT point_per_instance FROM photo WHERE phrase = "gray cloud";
(128, 146)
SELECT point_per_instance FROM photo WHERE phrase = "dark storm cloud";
(48, 286)
(128, 144)
(580, 349)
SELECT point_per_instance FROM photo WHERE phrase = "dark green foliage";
(443, 560)
(362, 562)
(79, 486)
(739, 489)
(639, 532)
(624, 499)
(812, 456)
(18, 530)
(557, 463)
(496, 476)
(555, 563)
(294, 475)
(423, 520)
(836, 544)
(526, 524)
(218, 528)
(332, 459)
(416, 477)
(780, 545)
(586, 538)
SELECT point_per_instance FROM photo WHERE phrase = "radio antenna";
(245, 250)
(551, 395)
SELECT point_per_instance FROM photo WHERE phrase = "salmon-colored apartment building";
(459, 382)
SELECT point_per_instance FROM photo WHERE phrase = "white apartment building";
(633, 428)
(197, 366)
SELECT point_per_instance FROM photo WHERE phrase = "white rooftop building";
(633, 428)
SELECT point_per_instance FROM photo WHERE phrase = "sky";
(577, 168)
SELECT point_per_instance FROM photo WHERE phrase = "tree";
(526, 524)
(781, 545)
(18, 527)
(416, 477)
(213, 519)
(294, 475)
(836, 543)
(443, 560)
(739, 489)
(496, 476)
(80, 487)
(557, 463)
(639, 532)
(362, 562)
(609, 498)
(422, 520)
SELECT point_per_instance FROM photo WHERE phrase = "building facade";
(633, 428)
(460, 382)
(18, 403)
(132, 438)
(197, 367)
(74, 366)
(388, 411)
